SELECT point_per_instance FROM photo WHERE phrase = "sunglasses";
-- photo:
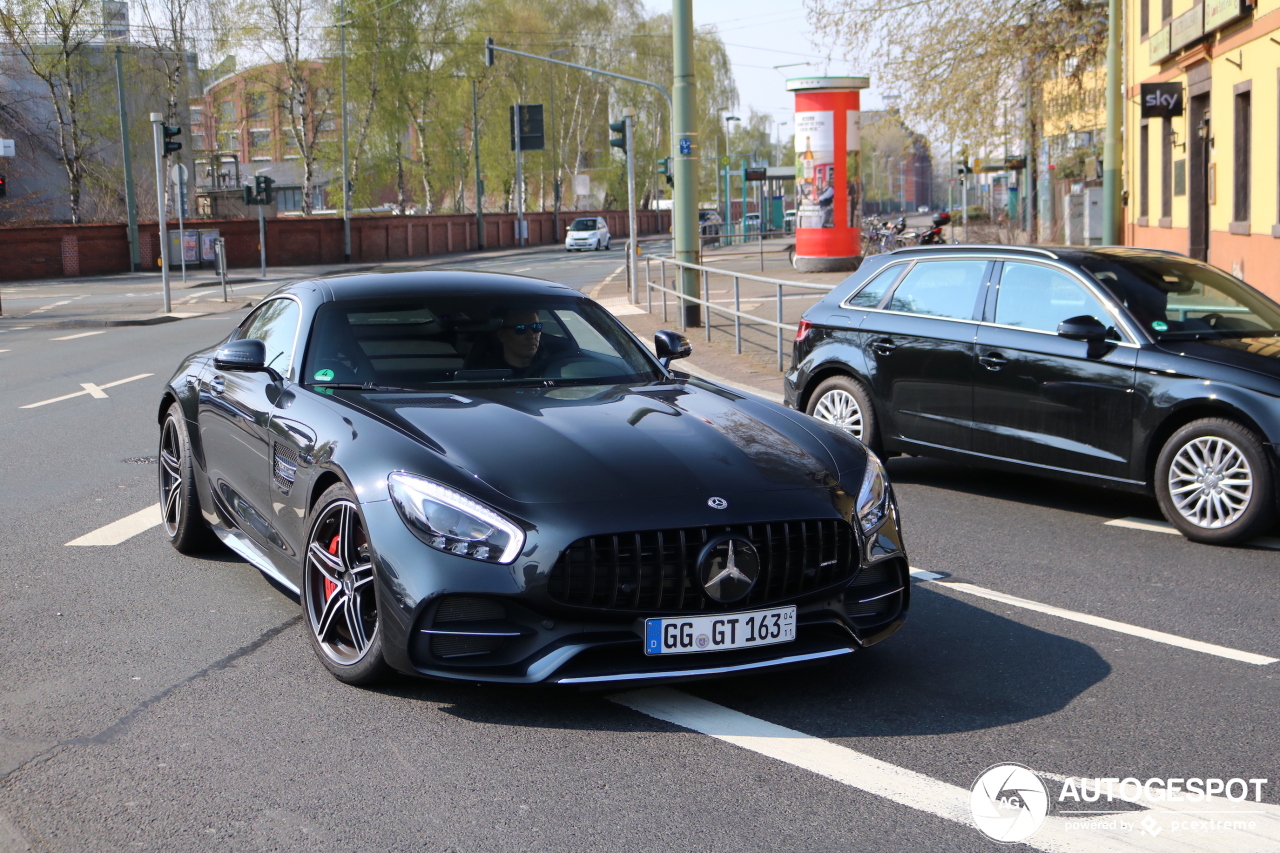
(525, 328)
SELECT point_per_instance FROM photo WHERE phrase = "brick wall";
(57, 251)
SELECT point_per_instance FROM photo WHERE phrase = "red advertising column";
(828, 173)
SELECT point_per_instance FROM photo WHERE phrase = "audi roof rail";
(987, 247)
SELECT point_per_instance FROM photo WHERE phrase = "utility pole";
(684, 210)
(1112, 211)
(633, 245)
(157, 127)
(555, 147)
(130, 202)
(517, 128)
(475, 151)
(346, 166)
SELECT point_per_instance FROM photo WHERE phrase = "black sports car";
(1134, 369)
(488, 477)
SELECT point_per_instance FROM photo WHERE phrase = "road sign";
(725, 161)
(686, 147)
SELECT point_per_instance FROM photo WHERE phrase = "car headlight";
(450, 521)
(873, 495)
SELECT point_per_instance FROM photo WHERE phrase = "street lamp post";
(346, 163)
(724, 168)
(157, 127)
(555, 150)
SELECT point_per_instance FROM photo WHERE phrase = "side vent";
(284, 467)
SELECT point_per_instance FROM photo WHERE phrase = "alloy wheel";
(171, 477)
(339, 585)
(1210, 482)
(840, 408)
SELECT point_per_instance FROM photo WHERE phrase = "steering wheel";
(554, 369)
(1212, 319)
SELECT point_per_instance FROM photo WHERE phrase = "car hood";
(1260, 355)
(596, 443)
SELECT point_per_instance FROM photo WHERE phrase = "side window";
(275, 323)
(1032, 296)
(940, 289)
(873, 291)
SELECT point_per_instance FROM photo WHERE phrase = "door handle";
(992, 361)
(884, 347)
(218, 385)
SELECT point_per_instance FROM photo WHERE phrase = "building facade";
(1202, 153)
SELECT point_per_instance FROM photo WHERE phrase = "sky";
(760, 34)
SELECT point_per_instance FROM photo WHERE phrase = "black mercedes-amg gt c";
(487, 477)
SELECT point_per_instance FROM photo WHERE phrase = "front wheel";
(338, 596)
(1214, 483)
(180, 517)
(842, 401)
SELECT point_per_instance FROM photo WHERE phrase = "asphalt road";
(153, 701)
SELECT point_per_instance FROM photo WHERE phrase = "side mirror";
(671, 345)
(246, 355)
(1083, 328)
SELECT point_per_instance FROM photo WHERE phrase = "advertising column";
(828, 173)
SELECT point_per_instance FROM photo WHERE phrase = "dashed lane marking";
(80, 335)
(90, 388)
(1098, 621)
(118, 531)
(911, 789)
(1152, 526)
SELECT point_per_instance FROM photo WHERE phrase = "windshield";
(583, 225)
(456, 339)
(1178, 299)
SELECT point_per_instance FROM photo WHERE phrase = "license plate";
(683, 635)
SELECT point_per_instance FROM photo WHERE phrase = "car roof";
(376, 285)
(1068, 253)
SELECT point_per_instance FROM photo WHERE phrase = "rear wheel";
(338, 597)
(842, 401)
(1214, 483)
(180, 517)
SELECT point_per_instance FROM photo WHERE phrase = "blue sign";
(686, 147)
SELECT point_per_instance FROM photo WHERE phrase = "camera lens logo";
(1008, 802)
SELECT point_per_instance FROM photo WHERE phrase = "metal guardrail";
(735, 312)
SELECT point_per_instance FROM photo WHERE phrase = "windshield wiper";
(367, 386)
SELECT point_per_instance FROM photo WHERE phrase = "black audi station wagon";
(489, 478)
(1130, 368)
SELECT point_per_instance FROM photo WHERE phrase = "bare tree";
(54, 40)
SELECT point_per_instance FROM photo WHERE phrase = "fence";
(736, 312)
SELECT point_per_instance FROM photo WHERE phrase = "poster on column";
(815, 169)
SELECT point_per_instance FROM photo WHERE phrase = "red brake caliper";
(329, 586)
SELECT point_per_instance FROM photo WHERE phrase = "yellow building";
(1204, 181)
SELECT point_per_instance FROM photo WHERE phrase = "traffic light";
(664, 168)
(963, 168)
(619, 141)
(264, 189)
(249, 198)
(4, 186)
(488, 52)
(170, 145)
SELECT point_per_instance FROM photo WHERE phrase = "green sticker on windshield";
(1160, 325)
(324, 375)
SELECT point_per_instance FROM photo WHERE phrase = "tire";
(1214, 482)
(339, 593)
(181, 521)
(844, 402)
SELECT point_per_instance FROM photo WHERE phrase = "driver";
(518, 345)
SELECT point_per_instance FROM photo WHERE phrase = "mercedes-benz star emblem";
(717, 503)
(728, 568)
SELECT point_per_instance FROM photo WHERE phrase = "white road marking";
(79, 335)
(4, 350)
(15, 329)
(907, 787)
(1152, 526)
(921, 574)
(522, 269)
(97, 392)
(1110, 624)
(126, 528)
(94, 391)
(50, 305)
(595, 291)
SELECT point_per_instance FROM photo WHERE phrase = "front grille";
(457, 608)
(453, 614)
(657, 569)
